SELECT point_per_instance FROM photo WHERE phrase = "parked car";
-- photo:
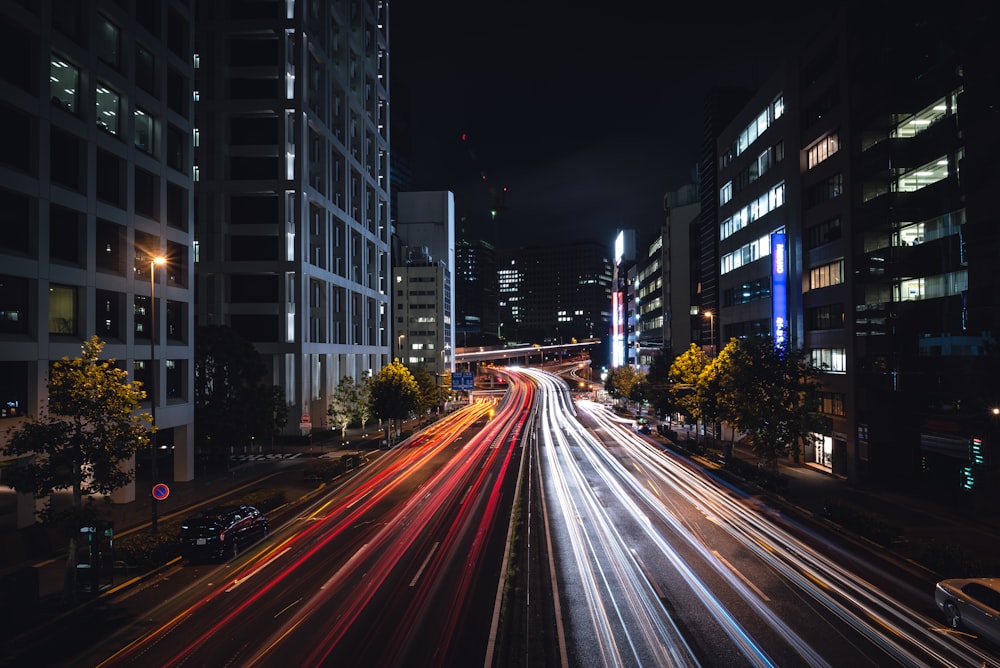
(971, 604)
(222, 531)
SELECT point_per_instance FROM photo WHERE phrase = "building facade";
(855, 222)
(97, 173)
(292, 163)
(423, 280)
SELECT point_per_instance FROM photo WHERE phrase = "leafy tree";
(344, 406)
(712, 388)
(658, 382)
(772, 396)
(624, 382)
(81, 442)
(430, 391)
(231, 404)
(684, 374)
(394, 393)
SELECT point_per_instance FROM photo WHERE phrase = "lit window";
(63, 82)
(107, 109)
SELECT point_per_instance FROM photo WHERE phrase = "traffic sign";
(160, 491)
(462, 380)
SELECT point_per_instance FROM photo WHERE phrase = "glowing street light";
(711, 326)
(153, 262)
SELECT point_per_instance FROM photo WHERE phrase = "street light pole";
(711, 327)
(151, 392)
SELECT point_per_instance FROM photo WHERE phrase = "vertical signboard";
(779, 289)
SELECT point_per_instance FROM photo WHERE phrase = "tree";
(231, 404)
(430, 391)
(624, 382)
(343, 407)
(772, 396)
(658, 379)
(712, 388)
(684, 374)
(394, 393)
(83, 442)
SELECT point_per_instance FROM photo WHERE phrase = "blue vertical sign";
(779, 290)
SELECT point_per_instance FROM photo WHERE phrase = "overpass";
(522, 354)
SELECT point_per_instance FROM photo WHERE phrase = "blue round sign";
(160, 492)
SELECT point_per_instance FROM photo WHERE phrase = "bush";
(862, 522)
(145, 550)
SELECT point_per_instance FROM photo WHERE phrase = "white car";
(971, 604)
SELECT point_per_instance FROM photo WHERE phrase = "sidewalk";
(43, 550)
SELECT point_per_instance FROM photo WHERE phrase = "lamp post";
(151, 392)
(399, 340)
(711, 327)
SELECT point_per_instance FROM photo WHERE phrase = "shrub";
(862, 522)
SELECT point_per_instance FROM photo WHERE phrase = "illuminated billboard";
(779, 290)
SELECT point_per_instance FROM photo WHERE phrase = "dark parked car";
(971, 604)
(220, 532)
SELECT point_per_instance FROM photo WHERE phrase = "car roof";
(992, 583)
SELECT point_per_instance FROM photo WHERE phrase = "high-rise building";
(292, 159)
(555, 293)
(96, 166)
(423, 280)
(476, 296)
(856, 221)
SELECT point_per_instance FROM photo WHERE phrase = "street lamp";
(151, 392)
(399, 340)
(711, 326)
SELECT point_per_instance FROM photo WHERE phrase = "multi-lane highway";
(645, 560)
(391, 569)
(655, 563)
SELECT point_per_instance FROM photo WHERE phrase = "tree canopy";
(394, 392)
(231, 401)
(82, 442)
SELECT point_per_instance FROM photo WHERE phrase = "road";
(656, 563)
(400, 565)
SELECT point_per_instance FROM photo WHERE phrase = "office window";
(176, 322)
(830, 316)
(140, 316)
(62, 309)
(178, 98)
(823, 233)
(64, 83)
(110, 246)
(144, 127)
(13, 389)
(107, 109)
(66, 18)
(18, 222)
(145, 69)
(177, 142)
(826, 275)
(822, 150)
(65, 157)
(108, 42)
(65, 235)
(831, 403)
(147, 188)
(830, 360)
(110, 176)
(108, 314)
(13, 305)
(174, 377)
(825, 191)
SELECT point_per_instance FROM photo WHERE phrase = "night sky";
(587, 115)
